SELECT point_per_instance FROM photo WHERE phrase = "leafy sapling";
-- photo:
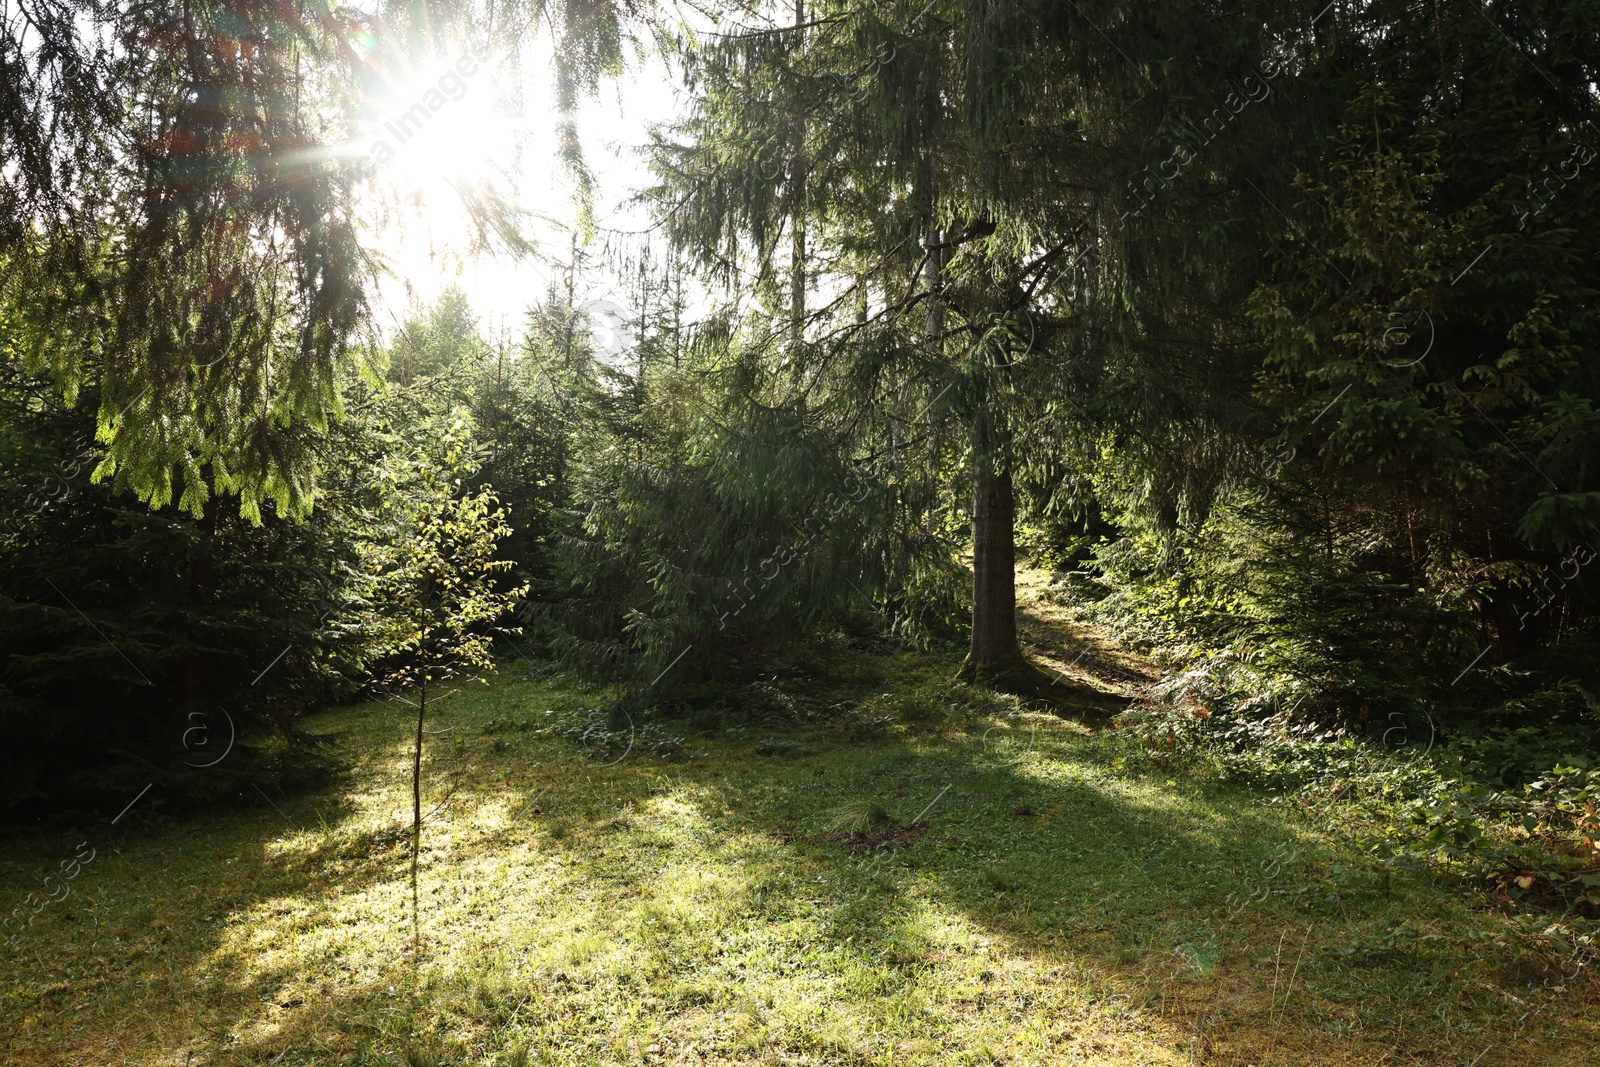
(432, 571)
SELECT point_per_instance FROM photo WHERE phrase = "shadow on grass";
(1041, 898)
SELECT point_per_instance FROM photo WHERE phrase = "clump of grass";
(784, 747)
(1001, 879)
(417, 1057)
(859, 816)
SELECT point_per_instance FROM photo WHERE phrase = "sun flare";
(437, 129)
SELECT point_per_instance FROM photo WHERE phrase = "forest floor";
(1096, 674)
(843, 871)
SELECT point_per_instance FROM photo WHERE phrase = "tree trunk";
(932, 274)
(797, 268)
(797, 248)
(994, 649)
(416, 818)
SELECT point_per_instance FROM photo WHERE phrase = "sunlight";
(435, 131)
(438, 135)
(440, 132)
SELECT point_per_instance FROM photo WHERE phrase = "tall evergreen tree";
(979, 180)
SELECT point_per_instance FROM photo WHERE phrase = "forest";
(865, 532)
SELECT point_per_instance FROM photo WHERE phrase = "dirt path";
(1072, 653)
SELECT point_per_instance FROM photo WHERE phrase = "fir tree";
(969, 180)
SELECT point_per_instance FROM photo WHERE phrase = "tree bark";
(797, 248)
(932, 273)
(416, 818)
(797, 263)
(994, 648)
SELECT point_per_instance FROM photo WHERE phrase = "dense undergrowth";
(1510, 814)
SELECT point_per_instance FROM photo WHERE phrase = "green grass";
(757, 893)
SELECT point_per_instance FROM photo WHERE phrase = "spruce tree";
(977, 200)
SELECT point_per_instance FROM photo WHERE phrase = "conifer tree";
(1441, 297)
(970, 180)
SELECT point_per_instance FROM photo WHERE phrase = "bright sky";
(472, 119)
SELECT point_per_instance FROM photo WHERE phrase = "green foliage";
(174, 244)
(442, 338)
(181, 217)
(1312, 611)
(988, 280)
(430, 559)
(1384, 512)
(521, 403)
(114, 618)
(713, 523)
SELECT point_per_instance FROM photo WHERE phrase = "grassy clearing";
(754, 894)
